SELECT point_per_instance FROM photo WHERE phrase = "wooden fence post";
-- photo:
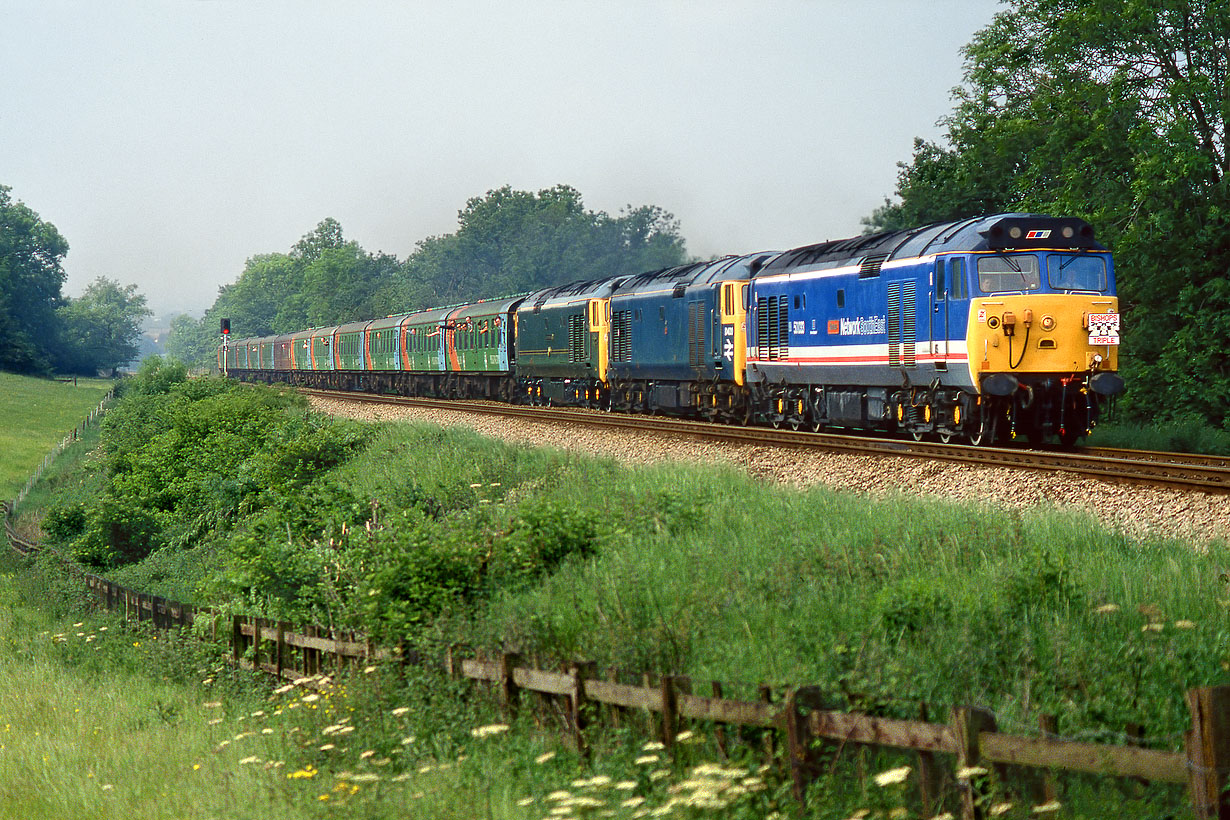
(803, 759)
(510, 694)
(967, 723)
(669, 709)
(930, 775)
(719, 729)
(1208, 751)
(614, 714)
(765, 693)
(1047, 793)
(579, 711)
(279, 651)
(682, 685)
(653, 721)
(256, 644)
(236, 639)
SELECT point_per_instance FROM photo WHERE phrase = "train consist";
(981, 330)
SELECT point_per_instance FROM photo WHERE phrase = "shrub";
(912, 604)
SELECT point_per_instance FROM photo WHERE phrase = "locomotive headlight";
(1015, 233)
(1069, 232)
(1048, 323)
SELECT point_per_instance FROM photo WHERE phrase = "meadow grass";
(37, 413)
(101, 720)
(886, 603)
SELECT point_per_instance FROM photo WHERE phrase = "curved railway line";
(1154, 469)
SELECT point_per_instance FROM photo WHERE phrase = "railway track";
(1174, 470)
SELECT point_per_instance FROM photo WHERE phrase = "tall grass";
(1182, 435)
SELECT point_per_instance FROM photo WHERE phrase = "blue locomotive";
(982, 329)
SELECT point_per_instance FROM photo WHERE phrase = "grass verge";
(37, 413)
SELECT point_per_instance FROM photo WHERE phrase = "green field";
(37, 413)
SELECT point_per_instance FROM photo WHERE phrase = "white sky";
(169, 141)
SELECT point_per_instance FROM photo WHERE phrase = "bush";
(913, 604)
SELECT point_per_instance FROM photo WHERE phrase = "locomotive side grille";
(870, 265)
(908, 347)
(773, 327)
(783, 327)
(576, 338)
(770, 351)
(894, 324)
(696, 334)
(621, 331)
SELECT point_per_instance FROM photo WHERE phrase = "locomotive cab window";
(841, 297)
(1065, 271)
(940, 289)
(1015, 272)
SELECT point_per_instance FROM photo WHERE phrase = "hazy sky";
(169, 141)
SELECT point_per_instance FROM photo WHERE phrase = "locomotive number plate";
(1103, 328)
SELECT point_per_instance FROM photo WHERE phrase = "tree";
(100, 330)
(1116, 112)
(31, 276)
(515, 241)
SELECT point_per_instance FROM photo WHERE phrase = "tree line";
(1115, 111)
(41, 329)
(507, 242)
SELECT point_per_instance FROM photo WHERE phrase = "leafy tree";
(516, 241)
(1116, 112)
(31, 276)
(101, 329)
(189, 342)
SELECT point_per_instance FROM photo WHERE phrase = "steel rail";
(1175, 470)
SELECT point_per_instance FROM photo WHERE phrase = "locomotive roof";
(1011, 231)
(566, 294)
(697, 273)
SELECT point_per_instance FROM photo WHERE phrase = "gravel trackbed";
(1139, 511)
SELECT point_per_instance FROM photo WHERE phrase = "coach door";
(939, 316)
